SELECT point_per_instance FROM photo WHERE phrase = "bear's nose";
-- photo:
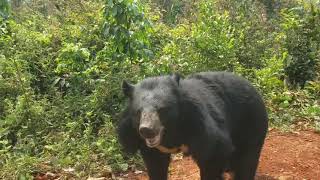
(147, 132)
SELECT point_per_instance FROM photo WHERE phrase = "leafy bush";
(302, 42)
(62, 63)
(127, 28)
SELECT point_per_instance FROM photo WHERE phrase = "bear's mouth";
(155, 141)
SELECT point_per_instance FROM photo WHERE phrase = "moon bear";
(218, 118)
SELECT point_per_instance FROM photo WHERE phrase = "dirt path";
(286, 156)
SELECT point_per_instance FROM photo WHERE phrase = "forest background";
(62, 63)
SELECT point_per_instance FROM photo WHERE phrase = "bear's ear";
(176, 77)
(127, 88)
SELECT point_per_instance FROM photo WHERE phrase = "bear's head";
(154, 106)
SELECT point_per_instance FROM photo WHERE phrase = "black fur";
(218, 115)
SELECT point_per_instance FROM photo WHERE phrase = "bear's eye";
(163, 109)
(138, 112)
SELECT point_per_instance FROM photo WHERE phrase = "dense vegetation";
(62, 63)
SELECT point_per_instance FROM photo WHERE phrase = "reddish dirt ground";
(285, 156)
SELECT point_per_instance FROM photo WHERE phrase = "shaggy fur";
(218, 116)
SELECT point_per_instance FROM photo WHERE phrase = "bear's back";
(238, 100)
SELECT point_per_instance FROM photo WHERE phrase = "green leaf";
(114, 11)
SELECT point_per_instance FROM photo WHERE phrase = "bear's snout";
(150, 124)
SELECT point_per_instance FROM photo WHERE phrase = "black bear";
(218, 118)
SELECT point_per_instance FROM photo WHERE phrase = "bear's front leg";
(210, 170)
(157, 163)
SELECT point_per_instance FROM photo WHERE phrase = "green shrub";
(62, 63)
(302, 43)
